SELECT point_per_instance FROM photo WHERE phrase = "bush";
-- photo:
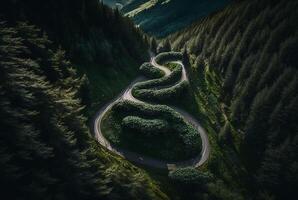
(169, 126)
(164, 81)
(168, 56)
(159, 111)
(191, 139)
(153, 90)
(148, 70)
(190, 175)
(157, 130)
(161, 94)
(146, 126)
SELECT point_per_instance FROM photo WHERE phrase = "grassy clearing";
(103, 84)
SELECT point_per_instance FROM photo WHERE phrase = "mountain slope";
(101, 50)
(46, 149)
(116, 3)
(162, 17)
(251, 47)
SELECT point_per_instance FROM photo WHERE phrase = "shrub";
(188, 141)
(146, 126)
(168, 56)
(188, 134)
(161, 94)
(153, 90)
(148, 70)
(159, 111)
(190, 137)
(157, 130)
(164, 81)
(190, 175)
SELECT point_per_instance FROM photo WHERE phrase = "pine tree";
(253, 46)
(167, 46)
(185, 58)
(288, 57)
(225, 135)
(153, 45)
(46, 149)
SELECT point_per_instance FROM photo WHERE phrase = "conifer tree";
(153, 45)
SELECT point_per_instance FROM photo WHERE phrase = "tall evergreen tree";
(46, 149)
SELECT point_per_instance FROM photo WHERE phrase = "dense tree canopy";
(253, 46)
(96, 38)
(46, 149)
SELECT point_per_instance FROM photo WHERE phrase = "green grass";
(107, 82)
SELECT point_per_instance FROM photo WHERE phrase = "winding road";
(197, 161)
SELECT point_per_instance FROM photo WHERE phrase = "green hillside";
(101, 50)
(244, 73)
(162, 17)
(154, 130)
(47, 150)
(212, 116)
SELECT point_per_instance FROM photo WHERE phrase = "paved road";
(145, 160)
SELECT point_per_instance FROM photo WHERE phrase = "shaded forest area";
(99, 41)
(46, 149)
(89, 30)
(244, 73)
(253, 46)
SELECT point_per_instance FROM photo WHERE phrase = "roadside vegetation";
(148, 70)
(161, 90)
(154, 130)
(189, 175)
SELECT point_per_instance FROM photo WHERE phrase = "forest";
(98, 49)
(89, 98)
(47, 149)
(252, 46)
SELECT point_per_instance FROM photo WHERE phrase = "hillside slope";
(101, 50)
(252, 47)
(116, 3)
(47, 150)
(162, 17)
